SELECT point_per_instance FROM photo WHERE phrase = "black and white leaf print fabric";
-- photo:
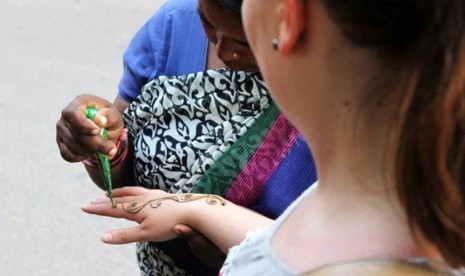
(179, 127)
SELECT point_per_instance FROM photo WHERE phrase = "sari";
(215, 132)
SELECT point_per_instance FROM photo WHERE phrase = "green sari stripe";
(222, 174)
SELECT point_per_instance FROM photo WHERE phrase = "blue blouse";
(171, 43)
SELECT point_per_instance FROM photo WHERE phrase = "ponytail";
(431, 155)
(424, 41)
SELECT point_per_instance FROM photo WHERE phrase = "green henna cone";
(103, 159)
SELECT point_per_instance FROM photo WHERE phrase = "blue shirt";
(171, 43)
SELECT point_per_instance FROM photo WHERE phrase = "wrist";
(91, 162)
(121, 149)
(199, 208)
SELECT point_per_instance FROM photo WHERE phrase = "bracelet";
(120, 157)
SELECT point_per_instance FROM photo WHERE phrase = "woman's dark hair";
(423, 40)
(232, 5)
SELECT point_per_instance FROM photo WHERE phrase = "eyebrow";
(205, 20)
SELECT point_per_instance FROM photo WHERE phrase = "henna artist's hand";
(202, 248)
(156, 212)
(78, 137)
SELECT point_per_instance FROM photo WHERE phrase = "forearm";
(225, 225)
(161, 216)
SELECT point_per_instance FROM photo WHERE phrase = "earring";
(236, 55)
(275, 43)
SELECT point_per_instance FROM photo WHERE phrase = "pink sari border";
(253, 177)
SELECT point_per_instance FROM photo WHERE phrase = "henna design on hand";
(134, 208)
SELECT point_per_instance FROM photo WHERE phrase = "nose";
(224, 48)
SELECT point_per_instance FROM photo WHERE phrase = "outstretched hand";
(78, 137)
(157, 213)
(162, 216)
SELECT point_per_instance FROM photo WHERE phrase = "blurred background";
(51, 51)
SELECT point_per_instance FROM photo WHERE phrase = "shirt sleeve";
(171, 43)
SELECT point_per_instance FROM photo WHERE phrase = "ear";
(291, 26)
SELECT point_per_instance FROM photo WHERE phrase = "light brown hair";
(424, 41)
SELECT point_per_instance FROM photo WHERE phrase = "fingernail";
(107, 237)
(112, 152)
(103, 120)
(96, 131)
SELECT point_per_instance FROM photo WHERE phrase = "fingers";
(73, 117)
(123, 236)
(122, 197)
(203, 248)
(74, 114)
(129, 191)
(77, 146)
(109, 118)
(103, 207)
(87, 100)
(78, 137)
(70, 149)
(112, 121)
(135, 204)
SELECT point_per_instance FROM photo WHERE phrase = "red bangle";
(121, 154)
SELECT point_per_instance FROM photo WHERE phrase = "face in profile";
(224, 29)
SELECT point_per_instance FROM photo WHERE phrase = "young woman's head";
(222, 23)
(424, 40)
(411, 52)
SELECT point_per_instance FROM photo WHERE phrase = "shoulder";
(175, 15)
(179, 6)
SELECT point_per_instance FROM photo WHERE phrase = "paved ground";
(51, 51)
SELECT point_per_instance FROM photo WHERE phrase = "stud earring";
(236, 55)
(275, 43)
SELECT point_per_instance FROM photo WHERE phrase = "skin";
(353, 175)
(226, 36)
(78, 137)
(351, 154)
(176, 218)
(224, 30)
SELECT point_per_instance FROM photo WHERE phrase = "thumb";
(183, 231)
(109, 118)
(112, 121)
(123, 236)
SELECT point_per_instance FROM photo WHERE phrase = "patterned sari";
(213, 132)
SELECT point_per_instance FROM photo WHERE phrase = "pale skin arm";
(224, 223)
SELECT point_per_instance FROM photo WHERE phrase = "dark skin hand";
(202, 248)
(78, 138)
